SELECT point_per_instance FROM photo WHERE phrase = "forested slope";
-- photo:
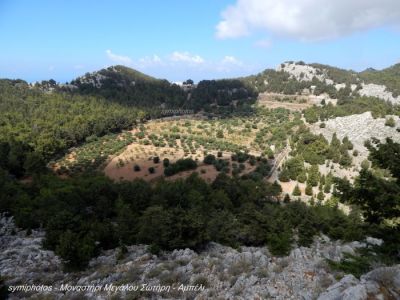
(127, 86)
(34, 126)
(131, 87)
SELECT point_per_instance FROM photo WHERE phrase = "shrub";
(140, 134)
(209, 159)
(296, 191)
(136, 168)
(309, 190)
(365, 164)
(201, 280)
(152, 170)
(294, 166)
(156, 159)
(286, 199)
(352, 264)
(313, 176)
(280, 243)
(302, 177)
(284, 176)
(166, 162)
(390, 122)
(242, 157)
(221, 165)
(179, 166)
(345, 160)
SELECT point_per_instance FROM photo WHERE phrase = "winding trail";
(280, 159)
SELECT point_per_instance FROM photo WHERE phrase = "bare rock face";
(217, 272)
(22, 256)
(378, 91)
(359, 128)
(303, 72)
(381, 283)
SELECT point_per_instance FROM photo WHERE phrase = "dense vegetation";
(390, 77)
(130, 87)
(92, 154)
(379, 200)
(226, 92)
(88, 212)
(179, 166)
(35, 126)
(85, 214)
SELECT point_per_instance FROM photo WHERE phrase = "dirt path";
(280, 159)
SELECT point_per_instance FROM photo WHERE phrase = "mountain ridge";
(131, 87)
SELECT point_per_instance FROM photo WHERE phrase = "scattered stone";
(378, 91)
(226, 273)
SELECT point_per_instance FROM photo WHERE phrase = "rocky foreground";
(218, 272)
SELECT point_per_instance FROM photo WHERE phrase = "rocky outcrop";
(381, 283)
(378, 91)
(303, 72)
(359, 128)
(22, 258)
(217, 272)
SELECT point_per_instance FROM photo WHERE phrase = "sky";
(206, 39)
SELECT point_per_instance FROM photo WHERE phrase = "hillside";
(35, 126)
(390, 77)
(298, 77)
(131, 87)
(283, 200)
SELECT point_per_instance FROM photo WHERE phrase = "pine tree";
(309, 190)
(286, 199)
(313, 176)
(296, 191)
(302, 177)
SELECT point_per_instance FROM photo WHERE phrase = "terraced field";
(140, 153)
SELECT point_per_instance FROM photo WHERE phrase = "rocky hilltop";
(303, 72)
(298, 77)
(218, 272)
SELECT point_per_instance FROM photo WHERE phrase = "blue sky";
(207, 39)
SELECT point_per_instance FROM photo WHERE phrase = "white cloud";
(184, 62)
(177, 56)
(120, 59)
(231, 60)
(149, 61)
(307, 19)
